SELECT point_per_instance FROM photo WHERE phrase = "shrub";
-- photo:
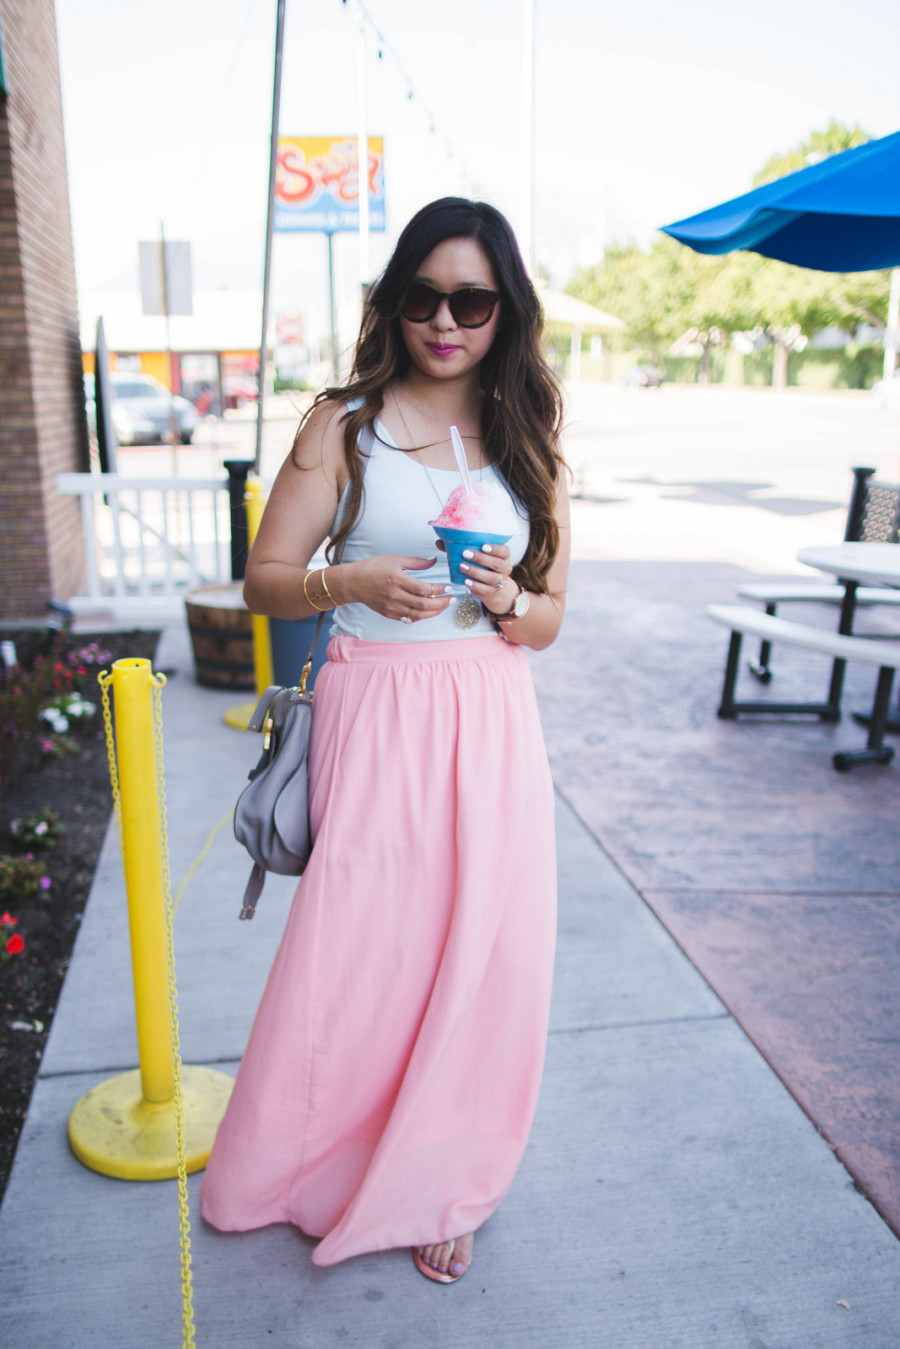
(42, 829)
(21, 877)
(12, 943)
(53, 685)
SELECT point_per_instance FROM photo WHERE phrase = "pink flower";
(7, 920)
(15, 944)
(45, 882)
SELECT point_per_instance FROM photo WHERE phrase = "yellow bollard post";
(142, 858)
(255, 504)
(239, 715)
(125, 1127)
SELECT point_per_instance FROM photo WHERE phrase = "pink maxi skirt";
(390, 1079)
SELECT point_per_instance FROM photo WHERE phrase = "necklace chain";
(409, 433)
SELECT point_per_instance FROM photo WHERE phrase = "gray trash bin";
(291, 639)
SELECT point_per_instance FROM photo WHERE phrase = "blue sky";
(638, 121)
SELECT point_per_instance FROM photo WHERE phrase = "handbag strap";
(366, 442)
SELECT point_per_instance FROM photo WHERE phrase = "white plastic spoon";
(460, 456)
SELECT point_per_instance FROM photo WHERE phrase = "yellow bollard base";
(113, 1130)
(239, 715)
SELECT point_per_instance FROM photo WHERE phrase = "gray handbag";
(271, 818)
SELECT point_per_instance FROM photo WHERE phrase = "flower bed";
(55, 804)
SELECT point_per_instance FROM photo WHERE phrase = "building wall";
(42, 425)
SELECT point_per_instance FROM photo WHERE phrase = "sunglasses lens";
(472, 308)
(420, 303)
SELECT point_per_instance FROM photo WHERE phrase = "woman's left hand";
(487, 576)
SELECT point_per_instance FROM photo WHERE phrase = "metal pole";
(173, 420)
(333, 306)
(237, 470)
(892, 331)
(527, 169)
(270, 224)
(362, 154)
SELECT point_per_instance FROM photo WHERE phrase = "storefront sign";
(316, 184)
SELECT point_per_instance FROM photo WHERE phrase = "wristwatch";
(518, 610)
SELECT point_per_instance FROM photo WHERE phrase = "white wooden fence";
(151, 537)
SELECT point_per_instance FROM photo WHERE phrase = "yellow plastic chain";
(184, 1225)
(105, 680)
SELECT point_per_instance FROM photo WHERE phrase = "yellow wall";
(157, 363)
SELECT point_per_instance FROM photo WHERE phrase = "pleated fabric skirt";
(390, 1080)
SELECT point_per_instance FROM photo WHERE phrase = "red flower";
(15, 944)
(8, 920)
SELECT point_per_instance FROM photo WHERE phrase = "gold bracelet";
(327, 591)
(310, 601)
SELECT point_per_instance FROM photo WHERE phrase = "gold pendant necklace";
(468, 611)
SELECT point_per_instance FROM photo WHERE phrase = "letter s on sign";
(294, 182)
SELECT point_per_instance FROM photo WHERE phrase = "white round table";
(866, 563)
(860, 564)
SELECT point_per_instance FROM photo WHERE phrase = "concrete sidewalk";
(673, 1195)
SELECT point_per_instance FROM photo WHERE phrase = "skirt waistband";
(354, 650)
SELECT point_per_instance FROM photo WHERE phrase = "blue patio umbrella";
(842, 215)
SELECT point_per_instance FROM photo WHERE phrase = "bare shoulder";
(319, 443)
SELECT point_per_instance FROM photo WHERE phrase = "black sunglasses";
(471, 306)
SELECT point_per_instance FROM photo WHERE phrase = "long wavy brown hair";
(521, 400)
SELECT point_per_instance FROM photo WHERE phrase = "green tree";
(643, 289)
(797, 297)
(670, 292)
(819, 145)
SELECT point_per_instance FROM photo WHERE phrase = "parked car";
(887, 391)
(141, 410)
(644, 377)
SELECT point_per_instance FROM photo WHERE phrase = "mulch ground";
(77, 788)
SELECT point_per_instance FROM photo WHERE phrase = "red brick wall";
(42, 428)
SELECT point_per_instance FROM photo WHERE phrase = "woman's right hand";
(383, 584)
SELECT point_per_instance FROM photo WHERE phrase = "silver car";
(141, 410)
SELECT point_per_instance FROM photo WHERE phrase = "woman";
(390, 1080)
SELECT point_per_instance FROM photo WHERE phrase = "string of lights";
(384, 47)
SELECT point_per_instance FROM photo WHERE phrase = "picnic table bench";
(884, 654)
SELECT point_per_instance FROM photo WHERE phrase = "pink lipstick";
(440, 349)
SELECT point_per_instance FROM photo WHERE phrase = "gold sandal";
(435, 1274)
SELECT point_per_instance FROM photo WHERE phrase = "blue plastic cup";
(457, 540)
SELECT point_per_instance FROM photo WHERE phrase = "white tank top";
(400, 496)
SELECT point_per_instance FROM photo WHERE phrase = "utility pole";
(362, 152)
(526, 232)
(270, 225)
(892, 331)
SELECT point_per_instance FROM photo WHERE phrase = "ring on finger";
(407, 618)
(500, 582)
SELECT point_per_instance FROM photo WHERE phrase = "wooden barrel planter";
(222, 636)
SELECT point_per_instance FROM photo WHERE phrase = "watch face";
(520, 607)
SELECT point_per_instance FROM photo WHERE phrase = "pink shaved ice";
(486, 507)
